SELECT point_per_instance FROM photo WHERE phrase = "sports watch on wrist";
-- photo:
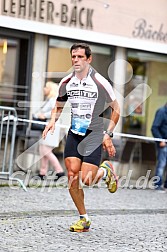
(109, 133)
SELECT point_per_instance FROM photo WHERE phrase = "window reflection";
(59, 59)
(8, 54)
(148, 68)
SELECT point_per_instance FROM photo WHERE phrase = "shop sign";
(144, 30)
(72, 14)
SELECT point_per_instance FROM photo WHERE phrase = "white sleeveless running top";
(88, 98)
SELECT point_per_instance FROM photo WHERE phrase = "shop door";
(15, 74)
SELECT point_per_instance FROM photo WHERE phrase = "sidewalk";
(38, 220)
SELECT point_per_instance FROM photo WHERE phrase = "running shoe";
(111, 179)
(80, 226)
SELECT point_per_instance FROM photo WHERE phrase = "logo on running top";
(74, 84)
(82, 93)
(85, 106)
(88, 116)
(75, 105)
(81, 116)
(84, 84)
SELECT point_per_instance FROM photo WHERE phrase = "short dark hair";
(88, 51)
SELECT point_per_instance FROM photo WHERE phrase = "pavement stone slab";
(38, 220)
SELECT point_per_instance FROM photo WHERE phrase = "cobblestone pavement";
(38, 220)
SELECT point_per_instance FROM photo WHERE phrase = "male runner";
(89, 94)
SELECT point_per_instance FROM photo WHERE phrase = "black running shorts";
(88, 148)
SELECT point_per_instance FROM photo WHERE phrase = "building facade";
(128, 40)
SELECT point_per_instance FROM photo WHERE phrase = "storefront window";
(8, 54)
(148, 69)
(59, 60)
(15, 72)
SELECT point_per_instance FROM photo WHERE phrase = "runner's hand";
(49, 127)
(108, 146)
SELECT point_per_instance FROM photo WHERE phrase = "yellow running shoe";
(80, 226)
(111, 179)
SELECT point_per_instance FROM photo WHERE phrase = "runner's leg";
(73, 166)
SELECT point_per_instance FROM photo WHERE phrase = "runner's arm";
(114, 117)
(55, 114)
